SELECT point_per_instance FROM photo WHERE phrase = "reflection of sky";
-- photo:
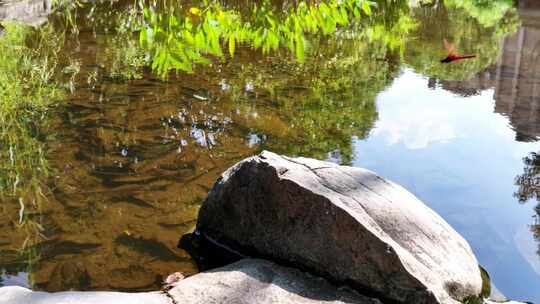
(20, 279)
(460, 158)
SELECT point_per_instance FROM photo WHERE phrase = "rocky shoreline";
(326, 233)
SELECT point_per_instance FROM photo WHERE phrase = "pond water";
(140, 119)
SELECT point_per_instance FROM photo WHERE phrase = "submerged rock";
(344, 223)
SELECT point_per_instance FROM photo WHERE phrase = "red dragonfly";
(452, 56)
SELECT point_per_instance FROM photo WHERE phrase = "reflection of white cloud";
(527, 247)
(413, 115)
(253, 140)
(469, 178)
(19, 279)
(416, 130)
(335, 157)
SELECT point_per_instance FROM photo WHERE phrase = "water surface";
(131, 148)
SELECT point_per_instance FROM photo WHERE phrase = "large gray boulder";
(247, 281)
(344, 223)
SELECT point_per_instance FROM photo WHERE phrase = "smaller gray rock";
(21, 295)
(246, 281)
(261, 282)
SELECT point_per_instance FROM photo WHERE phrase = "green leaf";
(366, 7)
(299, 50)
(231, 45)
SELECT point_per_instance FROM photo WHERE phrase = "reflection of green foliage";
(120, 55)
(348, 72)
(123, 58)
(177, 39)
(330, 97)
(323, 99)
(529, 188)
(529, 181)
(68, 10)
(27, 69)
(29, 86)
(341, 100)
(25, 93)
(439, 22)
(488, 13)
(391, 25)
(341, 76)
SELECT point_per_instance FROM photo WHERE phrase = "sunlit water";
(132, 160)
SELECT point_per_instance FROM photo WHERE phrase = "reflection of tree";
(529, 188)
(452, 20)
(178, 37)
(25, 93)
(30, 84)
(340, 73)
(338, 82)
(529, 181)
(356, 61)
(488, 13)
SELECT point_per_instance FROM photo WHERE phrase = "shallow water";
(131, 160)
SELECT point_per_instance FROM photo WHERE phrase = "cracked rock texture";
(344, 223)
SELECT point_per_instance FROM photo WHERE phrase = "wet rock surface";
(344, 223)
